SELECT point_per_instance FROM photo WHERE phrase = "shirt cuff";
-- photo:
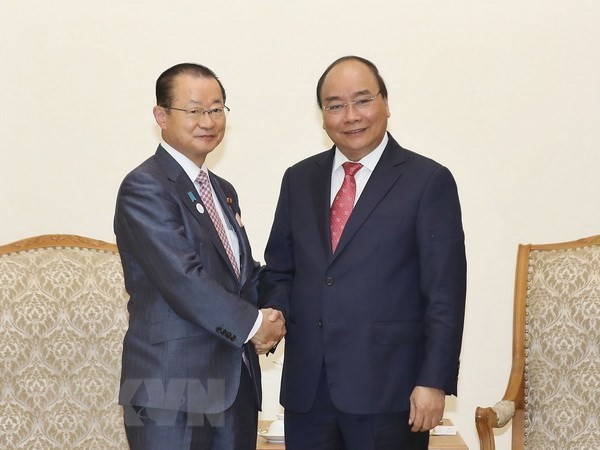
(256, 326)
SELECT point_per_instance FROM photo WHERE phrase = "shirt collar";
(189, 166)
(369, 161)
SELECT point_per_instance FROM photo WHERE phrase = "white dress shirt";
(362, 176)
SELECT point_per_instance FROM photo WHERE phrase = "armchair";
(553, 392)
(62, 320)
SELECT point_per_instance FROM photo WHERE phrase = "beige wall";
(505, 94)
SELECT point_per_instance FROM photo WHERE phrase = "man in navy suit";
(372, 284)
(190, 376)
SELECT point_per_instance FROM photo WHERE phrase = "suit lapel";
(203, 217)
(321, 194)
(183, 185)
(191, 199)
(387, 171)
(242, 238)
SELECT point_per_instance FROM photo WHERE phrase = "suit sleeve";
(151, 233)
(277, 276)
(442, 260)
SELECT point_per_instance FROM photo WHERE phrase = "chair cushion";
(63, 316)
(562, 377)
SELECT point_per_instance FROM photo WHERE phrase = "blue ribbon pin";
(192, 196)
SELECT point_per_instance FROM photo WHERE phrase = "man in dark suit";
(367, 263)
(190, 376)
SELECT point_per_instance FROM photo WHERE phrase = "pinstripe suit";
(189, 315)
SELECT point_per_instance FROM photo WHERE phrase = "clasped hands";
(271, 331)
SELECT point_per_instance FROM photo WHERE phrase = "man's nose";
(206, 120)
(350, 112)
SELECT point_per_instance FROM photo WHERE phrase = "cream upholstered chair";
(62, 320)
(553, 393)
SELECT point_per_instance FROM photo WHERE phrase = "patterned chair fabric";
(562, 341)
(553, 394)
(62, 319)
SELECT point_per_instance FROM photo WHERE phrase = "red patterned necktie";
(342, 205)
(207, 199)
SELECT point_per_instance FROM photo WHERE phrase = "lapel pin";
(229, 201)
(200, 208)
(239, 220)
(191, 196)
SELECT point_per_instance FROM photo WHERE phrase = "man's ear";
(160, 115)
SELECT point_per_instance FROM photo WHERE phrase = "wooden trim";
(485, 420)
(583, 242)
(518, 429)
(516, 383)
(57, 240)
(515, 391)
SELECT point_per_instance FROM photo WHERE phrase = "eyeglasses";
(361, 104)
(214, 113)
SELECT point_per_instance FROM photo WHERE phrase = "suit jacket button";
(234, 337)
(320, 323)
(219, 330)
(329, 281)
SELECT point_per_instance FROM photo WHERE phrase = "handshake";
(271, 331)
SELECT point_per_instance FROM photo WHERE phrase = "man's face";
(355, 132)
(195, 137)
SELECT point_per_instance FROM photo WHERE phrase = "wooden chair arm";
(492, 417)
